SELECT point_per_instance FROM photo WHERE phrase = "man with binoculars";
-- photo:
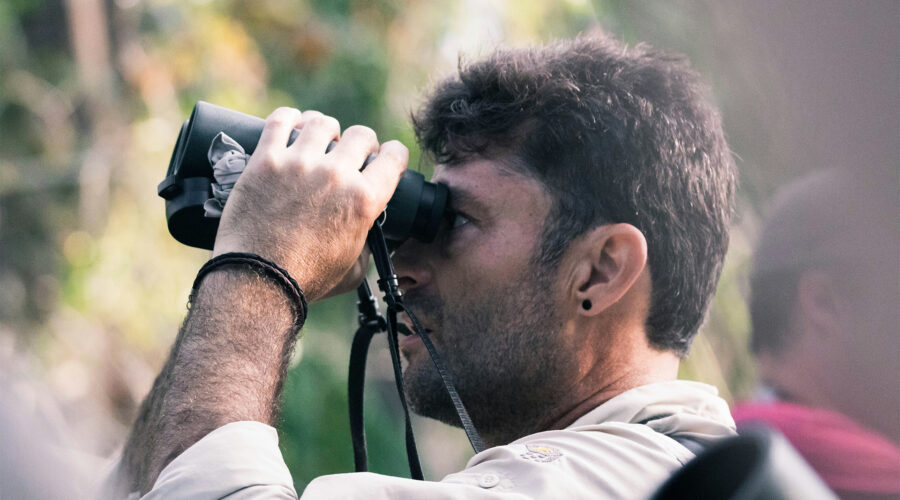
(590, 193)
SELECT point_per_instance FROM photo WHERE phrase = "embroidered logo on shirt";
(540, 453)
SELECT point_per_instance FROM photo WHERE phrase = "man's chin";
(445, 414)
(425, 392)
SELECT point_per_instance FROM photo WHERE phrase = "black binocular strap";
(356, 385)
(412, 454)
(370, 323)
(356, 389)
(447, 378)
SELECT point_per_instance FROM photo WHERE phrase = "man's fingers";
(278, 127)
(316, 132)
(357, 143)
(383, 174)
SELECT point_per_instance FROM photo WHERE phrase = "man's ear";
(818, 303)
(611, 259)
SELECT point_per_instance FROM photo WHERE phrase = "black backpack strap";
(692, 444)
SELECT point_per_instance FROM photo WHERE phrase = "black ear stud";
(586, 305)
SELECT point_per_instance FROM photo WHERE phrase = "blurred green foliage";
(91, 97)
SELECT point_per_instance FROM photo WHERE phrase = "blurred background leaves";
(92, 93)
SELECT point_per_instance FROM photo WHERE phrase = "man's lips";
(404, 329)
(408, 342)
(410, 338)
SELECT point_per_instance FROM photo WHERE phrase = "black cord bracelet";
(268, 268)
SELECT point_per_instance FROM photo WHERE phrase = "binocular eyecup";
(416, 209)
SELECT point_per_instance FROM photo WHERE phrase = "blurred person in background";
(824, 310)
(591, 190)
(41, 457)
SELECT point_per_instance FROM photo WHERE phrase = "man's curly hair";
(615, 134)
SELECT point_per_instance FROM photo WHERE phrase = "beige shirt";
(624, 448)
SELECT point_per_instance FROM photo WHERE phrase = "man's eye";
(458, 220)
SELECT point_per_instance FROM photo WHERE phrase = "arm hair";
(228, 364)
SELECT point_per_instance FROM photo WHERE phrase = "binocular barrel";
(416, 209)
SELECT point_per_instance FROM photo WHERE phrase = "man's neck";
(661, 368)
(602, 383)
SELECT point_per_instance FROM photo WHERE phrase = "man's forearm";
(228, 364)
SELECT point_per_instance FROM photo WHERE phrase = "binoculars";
(416, 209)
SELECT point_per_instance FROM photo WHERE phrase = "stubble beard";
(503, 349)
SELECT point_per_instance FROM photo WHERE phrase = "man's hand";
(353, 277)
(307, 210)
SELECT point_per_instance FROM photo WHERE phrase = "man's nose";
(411, 265)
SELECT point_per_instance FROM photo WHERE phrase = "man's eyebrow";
(461, 198)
